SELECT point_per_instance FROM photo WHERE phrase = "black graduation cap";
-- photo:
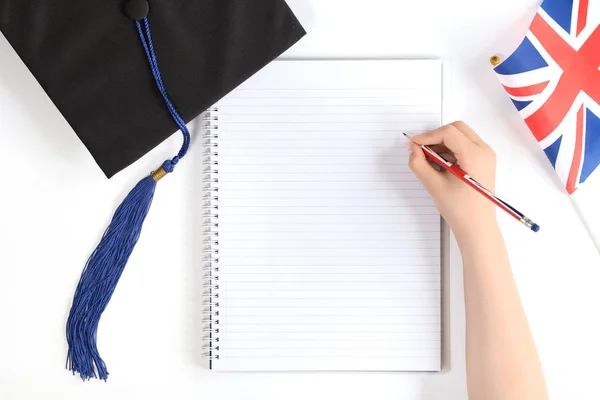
(88, 58)
(126, 74)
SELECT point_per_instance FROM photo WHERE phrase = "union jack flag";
(554, 81)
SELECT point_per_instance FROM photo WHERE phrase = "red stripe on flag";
(549, 116)
(576, 164)
(526, 90)
(559, 50)
(589, 50)
(582, 15)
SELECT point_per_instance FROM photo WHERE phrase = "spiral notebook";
(322, 251)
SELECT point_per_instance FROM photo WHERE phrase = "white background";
(55, 202)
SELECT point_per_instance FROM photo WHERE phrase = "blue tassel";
(106, 264)
(100, 277)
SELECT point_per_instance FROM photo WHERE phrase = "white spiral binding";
(210, 245)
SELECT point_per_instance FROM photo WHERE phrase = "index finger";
(448, 135)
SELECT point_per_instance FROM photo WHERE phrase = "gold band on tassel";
(495, 60)
(159, 174)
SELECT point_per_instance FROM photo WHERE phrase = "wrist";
(484, 231)
(483, 249)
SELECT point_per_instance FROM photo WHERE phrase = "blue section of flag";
(592, 146)
(521, 104)
(552, 151)
(525, 58)
(560, 11)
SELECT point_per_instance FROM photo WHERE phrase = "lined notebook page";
(329, 248)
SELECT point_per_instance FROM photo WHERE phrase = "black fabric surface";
(87, 56)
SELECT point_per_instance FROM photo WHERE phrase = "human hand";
(467, 212)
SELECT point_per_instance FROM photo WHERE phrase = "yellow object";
(159, 174)
(495, 60)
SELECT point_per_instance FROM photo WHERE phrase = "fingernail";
(409, 147)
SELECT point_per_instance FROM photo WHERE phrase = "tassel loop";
(169, 165)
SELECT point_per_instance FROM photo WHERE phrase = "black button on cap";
(137, 9)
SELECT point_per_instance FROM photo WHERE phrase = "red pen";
(463, 176)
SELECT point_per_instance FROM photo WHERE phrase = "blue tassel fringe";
(99, 280)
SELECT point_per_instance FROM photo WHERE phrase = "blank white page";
(328, 247)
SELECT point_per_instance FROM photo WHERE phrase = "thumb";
(424, 171)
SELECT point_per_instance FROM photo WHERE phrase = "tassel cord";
(146, 39)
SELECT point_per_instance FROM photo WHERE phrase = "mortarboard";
(126, 74)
